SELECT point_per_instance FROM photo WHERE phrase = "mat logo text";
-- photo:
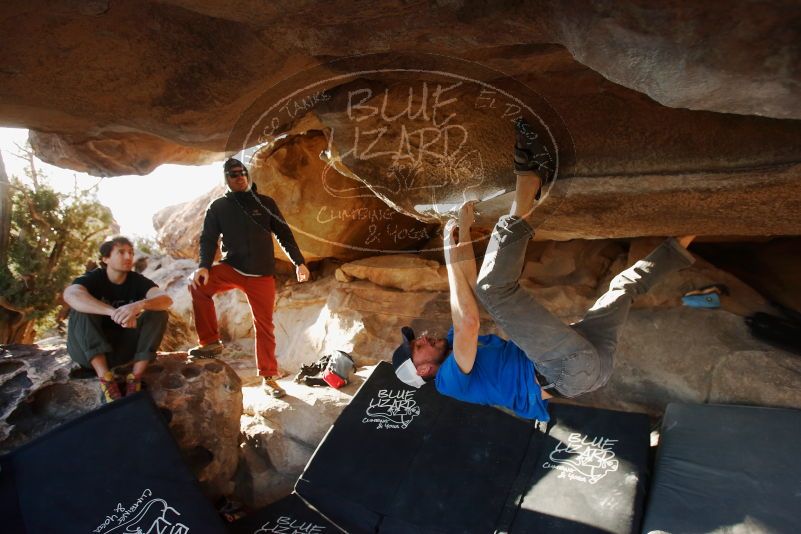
(147, 514)
(583, 459)
(287, 525)
(392, 408)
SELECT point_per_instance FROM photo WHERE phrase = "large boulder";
(178, 227)
(202, 401)
(331, 217)
(401, 271)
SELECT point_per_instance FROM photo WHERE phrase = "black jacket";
(246, 226)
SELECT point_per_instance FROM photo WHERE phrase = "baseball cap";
(402, 360)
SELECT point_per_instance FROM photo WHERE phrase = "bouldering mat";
(116, 469)
(726, 469)
(400, 459)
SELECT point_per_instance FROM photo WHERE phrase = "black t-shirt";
(98, 285)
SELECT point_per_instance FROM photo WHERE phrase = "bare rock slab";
(280, 435)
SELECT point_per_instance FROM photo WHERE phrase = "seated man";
(544, 356)
(117, 316)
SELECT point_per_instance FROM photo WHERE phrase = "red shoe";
(109, 390)
(132, 384)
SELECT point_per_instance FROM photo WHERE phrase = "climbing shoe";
(531, 154)
(132, 384)
(212, 350)
(270, 383)
(109, 390)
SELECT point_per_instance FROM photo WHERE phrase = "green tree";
(51, 236)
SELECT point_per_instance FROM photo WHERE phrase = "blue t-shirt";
(502, 375)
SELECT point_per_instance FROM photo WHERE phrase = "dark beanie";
(231, 163)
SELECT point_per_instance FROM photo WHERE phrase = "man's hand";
(302, 273)
(448, 233)
(199, 276)
(467, 215)
(126, 316)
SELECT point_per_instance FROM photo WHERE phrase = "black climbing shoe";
(531, 155)
(212, 350)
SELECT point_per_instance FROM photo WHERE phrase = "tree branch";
(10, 307)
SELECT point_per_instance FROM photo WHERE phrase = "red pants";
(260, 291)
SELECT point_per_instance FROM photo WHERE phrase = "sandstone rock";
(640, 168)
(622, 46)
(340, 276)
(770, 267)
(32, 392)
(202, 401)
(280, 435)
(765, 377)
(178, 227)
(742, 299)
(402, 271)
(577, 262)
(686, 355)
(114, 154)
(330, 215)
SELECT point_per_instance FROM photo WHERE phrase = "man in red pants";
(247, 221)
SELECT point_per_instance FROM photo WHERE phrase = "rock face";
(178, 227)
(710, 357)
(404, 272)
(329, 215)
(647, 105)
(202, 403)
(280, 435)
(328, 219)
(26, 370)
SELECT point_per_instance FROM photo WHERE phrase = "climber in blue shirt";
(544, 357)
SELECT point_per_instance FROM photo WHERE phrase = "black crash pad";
(726, 469)
(289, 515)
(113, 470)
(400, 459)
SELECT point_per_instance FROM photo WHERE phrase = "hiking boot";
(132, 384)
(531, 154)
(270, 383)
(212, 350)
(109, 390)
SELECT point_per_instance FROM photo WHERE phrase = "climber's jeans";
(573, 359)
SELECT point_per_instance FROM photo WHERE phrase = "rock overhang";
(128, 87)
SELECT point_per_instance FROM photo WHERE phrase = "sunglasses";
(236, 174)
